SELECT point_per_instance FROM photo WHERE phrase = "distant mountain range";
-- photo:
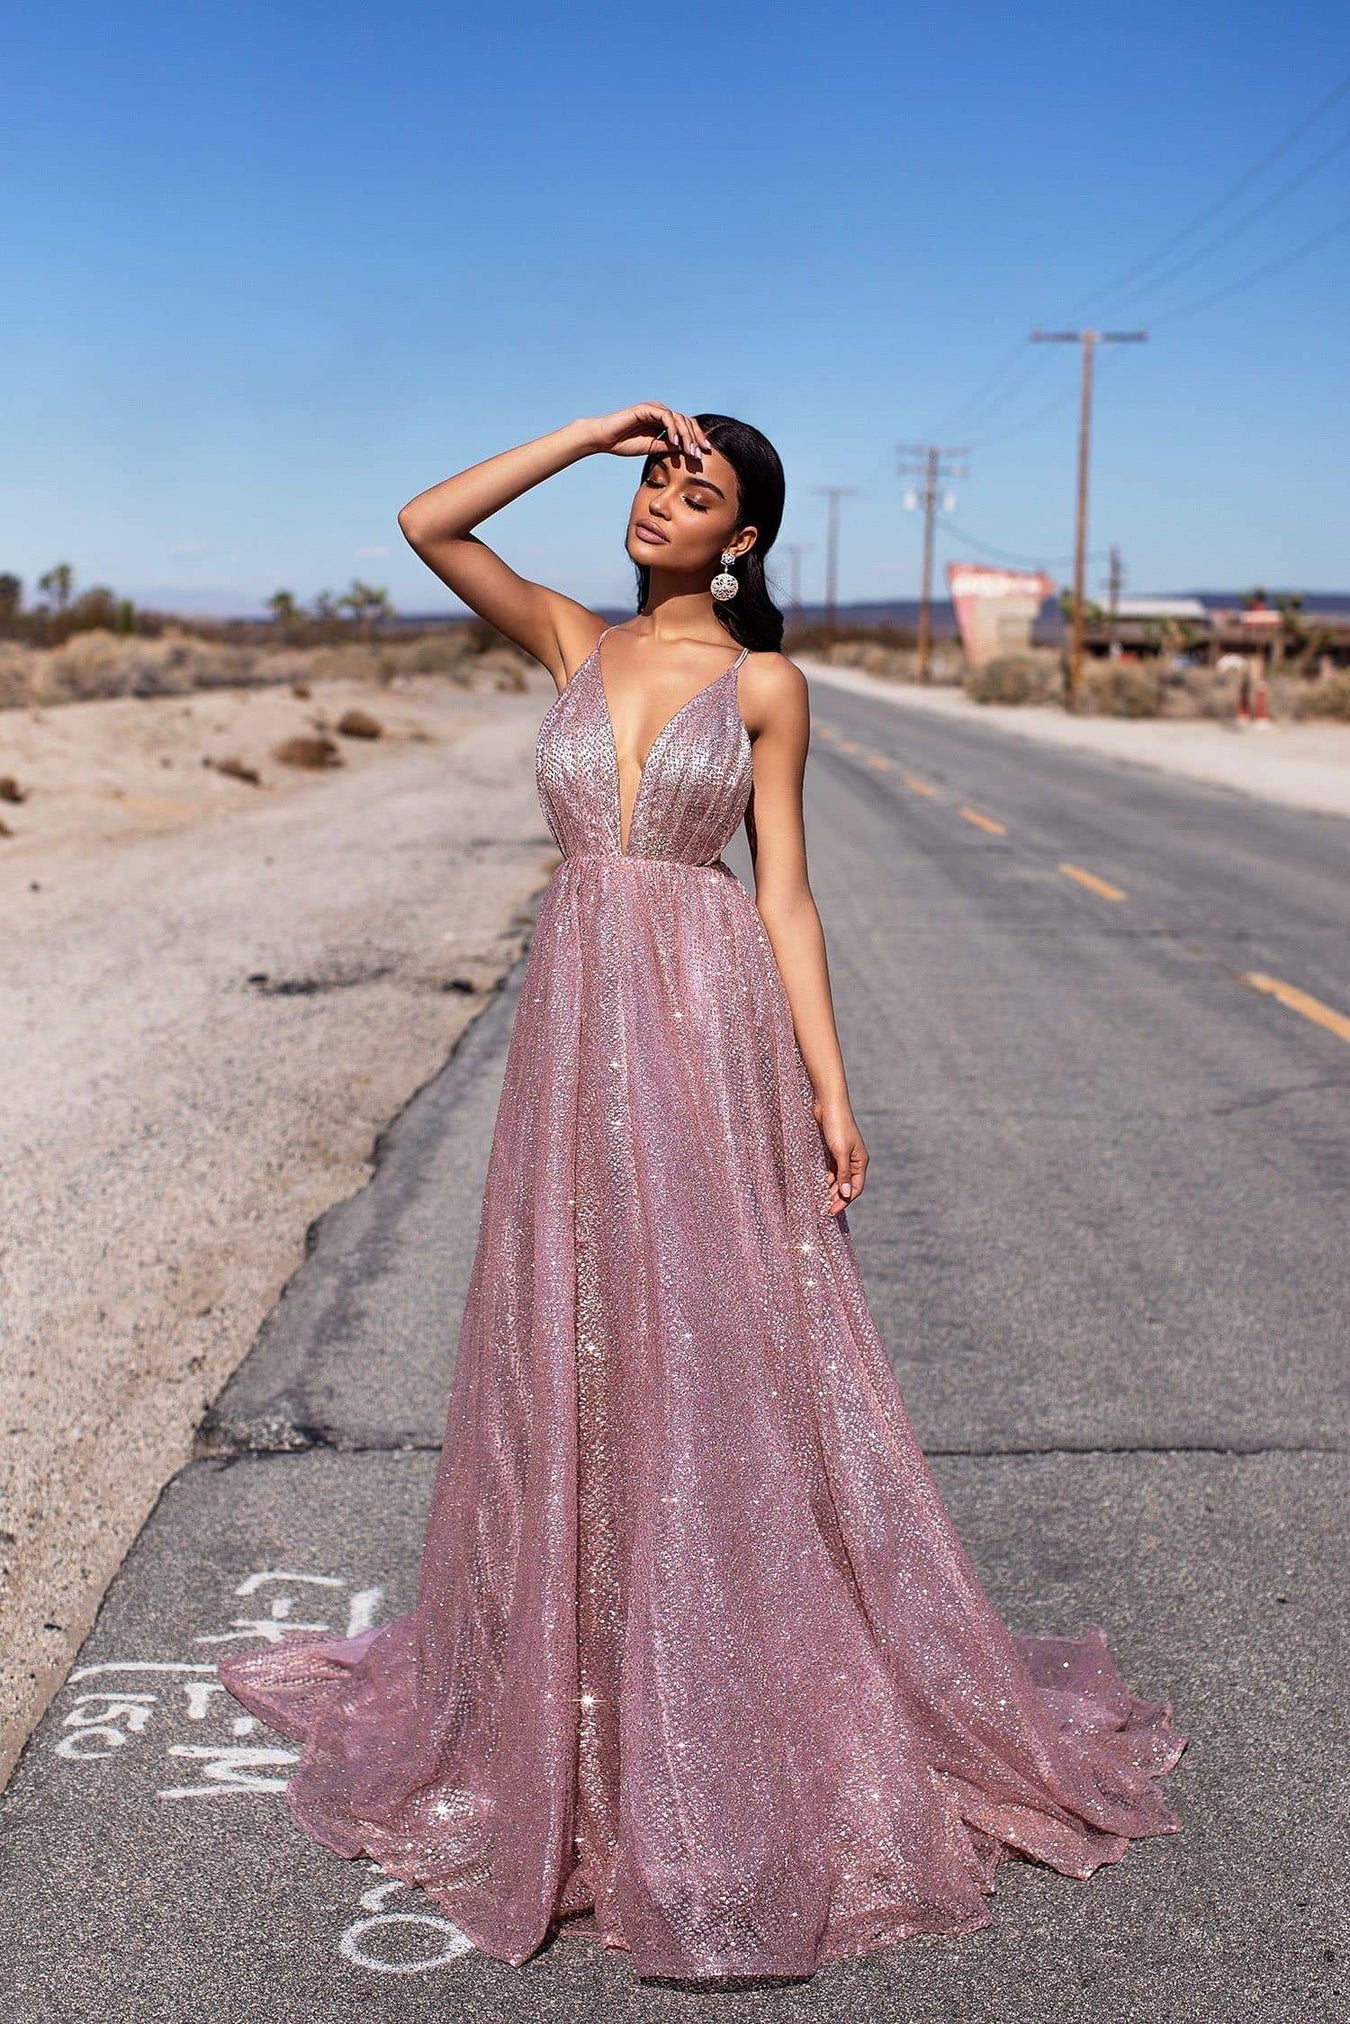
(903, 611)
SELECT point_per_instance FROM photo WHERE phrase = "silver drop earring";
(724, 585)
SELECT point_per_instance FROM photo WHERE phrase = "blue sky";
(270, 270)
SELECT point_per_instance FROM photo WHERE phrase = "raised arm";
(777, 714)
(439, 525)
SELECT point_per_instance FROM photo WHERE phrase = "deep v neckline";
(668, 726)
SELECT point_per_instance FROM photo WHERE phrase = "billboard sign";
(995, 608)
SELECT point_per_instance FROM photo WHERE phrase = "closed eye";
(657, 483)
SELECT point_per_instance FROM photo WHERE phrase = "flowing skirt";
(698, 1665)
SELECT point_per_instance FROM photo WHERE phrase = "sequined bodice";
(694, 788)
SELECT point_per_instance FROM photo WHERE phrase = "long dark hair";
(751, 617)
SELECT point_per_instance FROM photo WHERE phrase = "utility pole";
(833, 493)
(933, 466)
(1089, 340)
(1115, 583)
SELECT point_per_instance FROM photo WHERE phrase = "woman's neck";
(678, 612)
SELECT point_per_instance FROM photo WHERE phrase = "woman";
(698, 1665)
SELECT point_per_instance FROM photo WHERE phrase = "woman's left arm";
(777, 713)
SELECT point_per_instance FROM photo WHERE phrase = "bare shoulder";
(773, 692)
(576, 628)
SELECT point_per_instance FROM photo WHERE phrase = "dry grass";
(1327, 698)
(103, 664)
(1122, 689)
(1016, 678)
(888, 653)
(1151, 689)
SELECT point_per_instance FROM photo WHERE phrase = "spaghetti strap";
(592, 655)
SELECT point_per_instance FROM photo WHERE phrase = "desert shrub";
(349, 662)
(818, 641)
(1202, 692)
(438, 653)
(875, 655)
(206, 666)
(1013, 678)
(98, 662)
(1328, 698)
(1122, 689)
(17, 665)
(84, 665)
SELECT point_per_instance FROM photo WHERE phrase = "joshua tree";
(1299, 640)
(366, 604)
(283, 608)
(1092, 613)
(324, 607)
(57, 585)
(11, 598)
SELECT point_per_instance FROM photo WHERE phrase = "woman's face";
(684, 515)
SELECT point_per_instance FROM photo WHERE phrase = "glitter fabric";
(698, 1664)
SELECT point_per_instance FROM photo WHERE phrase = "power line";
(1232, 231)
(1008, 394)
(1054, 406)
(1012, 358)
(993, 388)
(1276, 266)
(1042, 414)
(1011, 556)
(1234, 190)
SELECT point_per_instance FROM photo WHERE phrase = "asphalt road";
(1105, 1237)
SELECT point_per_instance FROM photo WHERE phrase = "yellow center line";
(983, 821)
(1301, 1002)
(917, 786)
(1102, 887)
(879, 760)
(847, 745)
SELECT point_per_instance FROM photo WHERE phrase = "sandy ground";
(1296, 765)
(215, 996)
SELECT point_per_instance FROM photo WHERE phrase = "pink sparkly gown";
(698, 1665)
